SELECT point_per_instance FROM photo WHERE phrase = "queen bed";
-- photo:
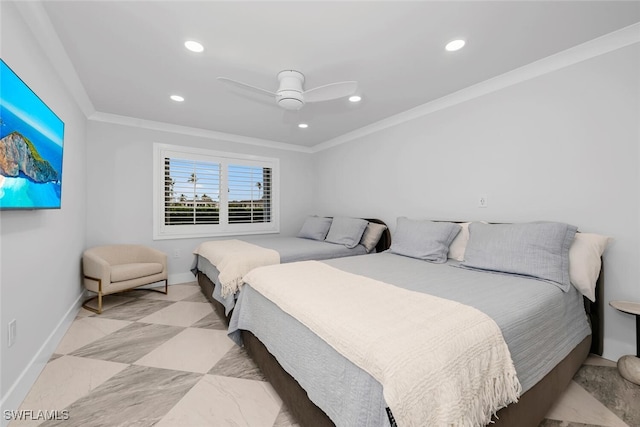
(320, 238)
(547, 324)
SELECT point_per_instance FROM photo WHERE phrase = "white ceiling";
(129, 55)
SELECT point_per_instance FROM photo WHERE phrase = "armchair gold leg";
(86, 305)
(165, 291)
(99, 297)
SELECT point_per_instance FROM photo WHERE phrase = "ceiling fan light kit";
(289, 95)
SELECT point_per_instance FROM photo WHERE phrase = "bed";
(349, 237)
(548, 328)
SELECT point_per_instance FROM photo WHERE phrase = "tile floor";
(165, 360)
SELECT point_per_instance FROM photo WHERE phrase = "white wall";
(560, 147)
(40, 249)
(120, 183)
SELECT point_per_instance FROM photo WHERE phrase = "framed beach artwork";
(31, 146)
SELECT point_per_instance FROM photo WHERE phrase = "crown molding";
(36, 18)
(203, 133)
(593, 48)
(38, 21)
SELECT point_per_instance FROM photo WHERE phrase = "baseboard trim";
(614, 349)
(20, 388)
(175, 279)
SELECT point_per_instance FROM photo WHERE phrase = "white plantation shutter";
(192, 192)
(249, 194)
(202, 193)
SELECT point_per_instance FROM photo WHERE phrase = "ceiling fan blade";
(330, 91)
(245, 86)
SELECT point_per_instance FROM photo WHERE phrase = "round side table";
(629, 366)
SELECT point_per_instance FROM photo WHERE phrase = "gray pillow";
(539, 250)
(371, 235)
(346, 231)
(427, 240)
(315, 228)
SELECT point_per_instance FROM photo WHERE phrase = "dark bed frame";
(207, 286)
(529, 411)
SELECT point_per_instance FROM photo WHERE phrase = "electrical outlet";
(177, 253)
(483, 201)
(11, 336)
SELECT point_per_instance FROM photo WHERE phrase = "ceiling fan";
(291, 94)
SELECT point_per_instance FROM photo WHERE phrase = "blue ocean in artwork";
(23, 112)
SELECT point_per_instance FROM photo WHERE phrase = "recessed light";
(303, 125)
(454, 45)
(177, 98)
(194, 46)
(355, 98)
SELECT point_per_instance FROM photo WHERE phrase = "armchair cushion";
(134, 270)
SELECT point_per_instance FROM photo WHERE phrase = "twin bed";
(352, 341)
(310, 244)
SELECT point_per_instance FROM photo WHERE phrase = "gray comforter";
(293, 249)
(540, 323)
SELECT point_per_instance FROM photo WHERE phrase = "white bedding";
(428, 378)
(234, 259)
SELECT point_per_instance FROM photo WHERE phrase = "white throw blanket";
(440, 362)
(234, 259)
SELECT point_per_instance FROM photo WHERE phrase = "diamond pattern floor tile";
(192, 350)
(130, 343)
(151, 359)
(180, 313)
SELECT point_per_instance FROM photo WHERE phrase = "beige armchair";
(116, 268)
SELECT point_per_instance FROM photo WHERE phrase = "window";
(201, 193)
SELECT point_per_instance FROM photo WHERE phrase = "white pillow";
(585, 263)
(459, 244)
(371, 235)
